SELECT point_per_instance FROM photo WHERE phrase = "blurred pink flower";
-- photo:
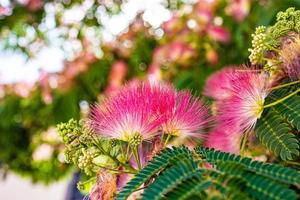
(23, 89)
(173, 25)
(32, 5)
(176, 52)
(218, 33)
(44, 83)
(43, 152)
(116, 77)
(224, 139)
(204, 16)
(5, 11)
(212, 57)
(239, 9)
(219, 85)
(154, 73)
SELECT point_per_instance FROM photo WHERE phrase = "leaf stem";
(282, 99)
(117, 170)
(243, 143)
(292, 163)
(137, 157)
(167, 139)
(284, 85)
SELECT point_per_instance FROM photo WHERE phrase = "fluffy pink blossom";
(245, 105)
(129, 112)
(187, 118)
(224, 139)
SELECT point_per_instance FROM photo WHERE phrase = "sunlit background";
(57, 57)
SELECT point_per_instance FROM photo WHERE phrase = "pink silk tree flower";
(132, 112)
(224, 139)
(246, 103)
(218, 85)
(188, 117)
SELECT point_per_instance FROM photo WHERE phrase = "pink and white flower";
(128, 113)
(246, 103)
(188, 117)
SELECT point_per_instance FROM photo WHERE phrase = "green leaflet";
(171, 178)
(159, 162)
(275, 134)
(290, 110)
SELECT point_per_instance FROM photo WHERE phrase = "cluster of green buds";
(135, 140)
(69, 131)
(258, 45)
(289, 20)
(85, 161)
(269, 39)
(89, 151)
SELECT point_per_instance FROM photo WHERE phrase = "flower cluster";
(141, 111)
(276, 48)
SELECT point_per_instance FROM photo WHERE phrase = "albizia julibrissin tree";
(124, 144)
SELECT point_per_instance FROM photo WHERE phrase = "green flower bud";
(135, 140)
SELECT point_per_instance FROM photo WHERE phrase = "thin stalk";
(271, 60)
(167, 140)
(127, 152)
(137, 157)
(284, 85)
(89, 180)
(292, 163)
(244, 143)
(117, 170)
(141, 188)
(282, 99)
(272, 48)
